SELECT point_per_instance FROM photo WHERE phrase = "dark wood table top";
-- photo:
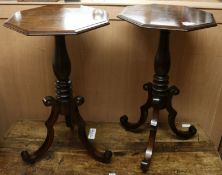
(168, 17)
(57, 20)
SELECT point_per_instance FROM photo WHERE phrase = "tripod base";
(159, 97)
(66, 105)
(157, 102)
(68, 108)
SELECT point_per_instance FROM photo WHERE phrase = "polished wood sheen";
(60, 21)
(160, 94)
(168, 17)
(57, 20)
(197, 60)
(64, 104)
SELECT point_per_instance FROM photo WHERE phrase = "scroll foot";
(172, 117)
(183, 134)
(104, 157)
(143, 110)
(133, 126)
(32, 158)
(144, 165)
(99, 156)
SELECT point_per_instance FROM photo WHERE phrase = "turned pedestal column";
(164, 18)
(59, 21)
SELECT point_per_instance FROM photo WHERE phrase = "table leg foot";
(143, 112)
(172, 117)
(133, 126)
(33, 157)
(104, 157)
(145, 163)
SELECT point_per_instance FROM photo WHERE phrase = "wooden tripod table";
(164, 18)
(58, 21)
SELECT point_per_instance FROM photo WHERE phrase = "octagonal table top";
(167, 17)
(57, 20)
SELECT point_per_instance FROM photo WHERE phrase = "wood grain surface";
(109, 67)
(57, 20)
(167, 17)
(196, 156)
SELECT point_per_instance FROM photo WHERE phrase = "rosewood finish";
(59, 21)
(167, 17)
(160, 94)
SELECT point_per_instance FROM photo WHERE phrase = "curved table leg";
(172, 117)
(64, 104)
(145, 163)
(143, 110)
(99, 156)
(32, 158)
